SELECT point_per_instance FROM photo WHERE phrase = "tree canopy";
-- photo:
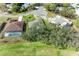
(16, 7)
(50, 34)
(64, 9)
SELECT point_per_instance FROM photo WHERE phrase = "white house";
(61, 21)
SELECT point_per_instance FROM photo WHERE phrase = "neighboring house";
(58, 9)
(25, 5)
(61, 21)
(13, 28)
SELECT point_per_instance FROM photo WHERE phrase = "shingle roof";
(13, 26)
(60, 20)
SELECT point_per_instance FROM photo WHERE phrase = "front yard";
(4, 18)
(25, 48)
(76, 22)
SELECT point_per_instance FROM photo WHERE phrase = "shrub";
(51, 7)
(19, 7)
(16, 7)
(28, 18)
(68, 12)
(65, 9)
(2, 26)
(51, 34)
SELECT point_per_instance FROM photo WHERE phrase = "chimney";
(20, 18)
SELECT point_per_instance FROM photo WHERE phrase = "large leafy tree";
(51, 34)
(66, 9)
(16, 7)
(50, 7)
(68, 12)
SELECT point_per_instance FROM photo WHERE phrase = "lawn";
(76, 22)
(29, 18)
(51, 14)
(4, 18)
(32, 49)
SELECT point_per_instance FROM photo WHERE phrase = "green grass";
(4, 18)
(32, 49)
(76, 22)
(51, 14)
(29, 17)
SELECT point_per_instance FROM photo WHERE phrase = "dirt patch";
(9, 41)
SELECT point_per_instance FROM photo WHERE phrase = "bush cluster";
(51, 34)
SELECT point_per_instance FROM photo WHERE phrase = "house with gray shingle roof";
(61, 21)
